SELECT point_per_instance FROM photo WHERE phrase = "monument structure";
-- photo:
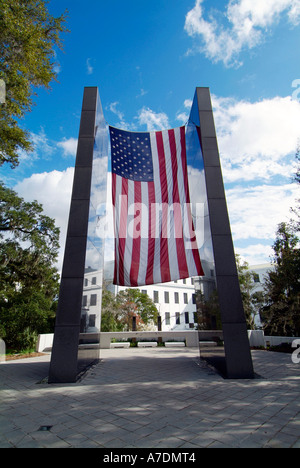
(72, 350)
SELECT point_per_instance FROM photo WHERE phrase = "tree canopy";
(252, 300)
(29, 36)
(281, 315)
(29, 39)
(118, 311)
(29, 282)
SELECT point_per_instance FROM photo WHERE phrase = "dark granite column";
(64, 360)
(237, 349)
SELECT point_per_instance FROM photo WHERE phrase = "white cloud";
(69, 146)
(53, 191)
(142, 93)
(257, 140)
(45, 148)
(154, 121)
(57, 68)
(42, 148)
(255, 212)
(183, 116)
(255, 254)
(248, 21)
(113, 107)
(89, 67)
(254, 139)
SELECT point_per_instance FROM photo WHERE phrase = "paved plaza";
(151, 398)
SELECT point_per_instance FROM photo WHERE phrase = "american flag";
(154, 232)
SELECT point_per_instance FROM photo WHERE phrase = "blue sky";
(147, 57)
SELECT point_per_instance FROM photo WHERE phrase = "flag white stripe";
(134, 259)
(129, 237)
(173, 260)
(157, 188)
(117, 221)
(180, 178)
(144, 220)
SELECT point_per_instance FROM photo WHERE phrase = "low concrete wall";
(257, 338)
(45, 342)
(278, 340)
(192, 338)
(2, 351)
(210, 335)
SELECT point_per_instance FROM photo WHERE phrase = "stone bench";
(178, 344)
(208, 343)
(119, 345)
(145, 344)
(89, 346)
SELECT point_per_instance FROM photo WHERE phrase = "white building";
(176, 301)
(91, 301)
(260, 275)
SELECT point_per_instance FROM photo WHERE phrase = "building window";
(195, 317)
(177, 315)
(194, 298)
(93, 299)
(92, 321)
(144, 292)
(187, 318)
(184, 281)
(86, 282)
(167, 297)
(167, 318)
(84, 301)
(156, 297)
(256, 278)
(176, 298)
(192, 281)
(185, 298)
(94, 281)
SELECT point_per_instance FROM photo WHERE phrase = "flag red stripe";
(165, 255)
(114, 187)
(123, 230)
(180, 247)
(151, 235)
(136, 246)
(187, 195)
(164, 249)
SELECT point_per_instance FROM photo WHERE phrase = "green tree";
(29, 36)
(252, 301)
(29, 282)
(281, 315)
(110, 313)
(132, 302)
(297, 174)
(208, 311)
(295, 222)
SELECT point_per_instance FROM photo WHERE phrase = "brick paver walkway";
(151, 398)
